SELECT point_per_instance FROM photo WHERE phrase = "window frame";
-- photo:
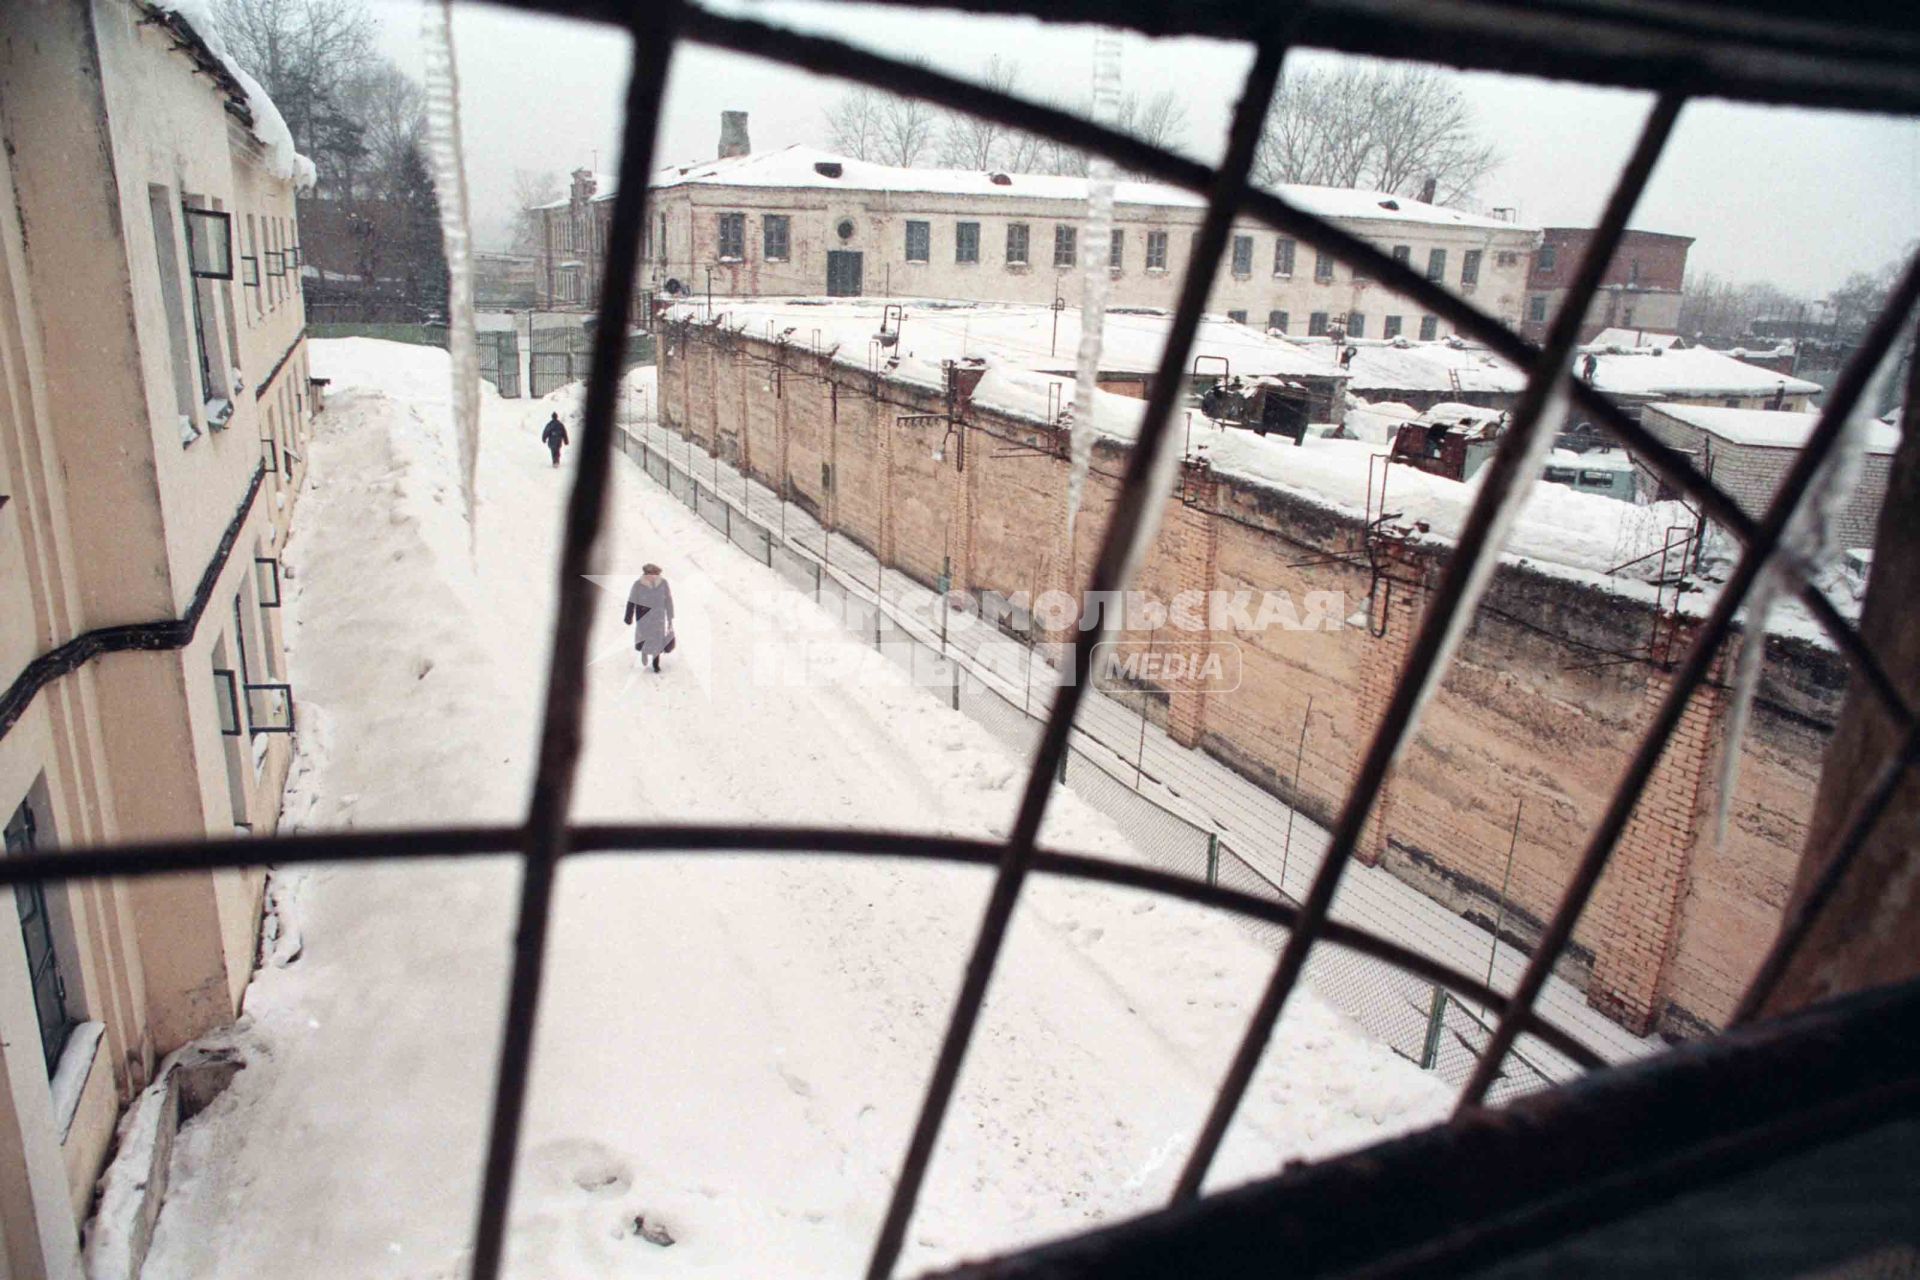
(769, 223)
(1156, 251)
(924, 231)
(730, 225)
(966, 243)
(1023, 233)
(1066, 246)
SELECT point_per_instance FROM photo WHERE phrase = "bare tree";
(853, 123)
(1387, 128)
(1715, 307)
(970, 142)
(531, 189)
(906, 131)
(306, 54)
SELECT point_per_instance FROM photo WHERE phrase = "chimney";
(1429, 189)
(733, 134)
(583, 186)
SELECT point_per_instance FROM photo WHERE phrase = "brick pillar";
(1646, 879)
(1394, 613)
(1194, 538)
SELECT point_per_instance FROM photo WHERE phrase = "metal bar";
(1109, 570)
(560, 738)
(1503, 485)
(832, 57)
(1846, 391)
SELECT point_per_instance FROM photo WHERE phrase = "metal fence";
(1104, 765)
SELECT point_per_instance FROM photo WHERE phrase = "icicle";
(450, 184)
(1807, 548)
(1095, 247)
(1552, 417)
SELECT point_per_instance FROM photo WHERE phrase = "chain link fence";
(1112, 761)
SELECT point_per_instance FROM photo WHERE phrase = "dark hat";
(650, 569)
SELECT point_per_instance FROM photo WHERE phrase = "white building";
(153, 409)
(801, 221)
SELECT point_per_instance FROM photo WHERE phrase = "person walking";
(553, 435)
(650, 611)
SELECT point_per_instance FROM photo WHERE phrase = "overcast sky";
(1797, 197)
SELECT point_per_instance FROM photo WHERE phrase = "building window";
(1243, 255)
(1549, 258)
(1277, 320)
(1283, 257)
(1323, 268)
(966, 242)
(1436, 264)
(1470, 267)
(1017, 244)
(733, 237)
(660, 242)
(919, 241)
(1317, 325)
(1356, 325)
(1429, 328)
(1156, 251)
(1063, 239)
(1238, 317)
(167, 262)
(776, 237)
(1393, 327)
(36, 930)
(1537, 307)
(1117, 250)
(1403, 253)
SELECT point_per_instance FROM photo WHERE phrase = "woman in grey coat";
(650, 610)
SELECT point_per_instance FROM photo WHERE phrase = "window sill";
(728, 262)
(1156, 271)
(917, 262)
(768, 258)
(1283, 275)
(1019, 268)
(69, 1081)
(966, 262)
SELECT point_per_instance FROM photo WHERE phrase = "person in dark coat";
(650, 611)
(553, 435)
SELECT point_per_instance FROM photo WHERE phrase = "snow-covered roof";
(1768, 428)
(269, 126)
(1631, 338)
(1014, 334)
(799, 166)
(1399, 364)
(1688, 372)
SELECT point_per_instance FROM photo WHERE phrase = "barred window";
(1283, 256)
(733, 236)
(776, 236)
(1017, 244)
(1063, 245)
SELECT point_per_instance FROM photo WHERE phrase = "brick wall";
(1519, 748)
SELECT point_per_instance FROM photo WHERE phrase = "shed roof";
(1767, 428)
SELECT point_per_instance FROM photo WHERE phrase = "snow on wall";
(269, 126)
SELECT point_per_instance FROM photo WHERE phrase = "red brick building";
(1641, 289)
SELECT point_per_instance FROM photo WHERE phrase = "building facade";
(154, 403)
(1640, 290)
(803, 222)
(1748, 452)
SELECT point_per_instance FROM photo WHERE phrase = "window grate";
(546, 836)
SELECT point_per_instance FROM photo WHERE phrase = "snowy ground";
(734, 1047)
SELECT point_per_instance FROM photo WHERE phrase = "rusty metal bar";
(1474, 556)
(1136, 492)
(1846, 392)
(547, 832)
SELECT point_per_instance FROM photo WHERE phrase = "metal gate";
(560, 355)
(500, 360)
